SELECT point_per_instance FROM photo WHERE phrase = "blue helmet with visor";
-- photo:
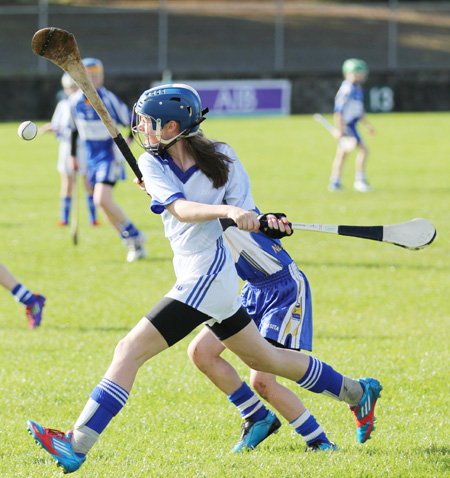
(161, 104)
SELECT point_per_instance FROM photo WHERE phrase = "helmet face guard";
(159, 105)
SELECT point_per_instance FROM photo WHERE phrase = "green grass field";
(379, 310)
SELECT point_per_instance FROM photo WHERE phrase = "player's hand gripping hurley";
(60, 47)
(347, 143)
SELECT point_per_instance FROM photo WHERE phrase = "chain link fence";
(233, 38)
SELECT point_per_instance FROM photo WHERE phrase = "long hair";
(212, 163)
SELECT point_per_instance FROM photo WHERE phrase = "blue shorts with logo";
(281, 307)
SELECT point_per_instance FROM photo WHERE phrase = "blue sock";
(91, 208)
(129, 230)
(105, 402)
(321, 378)
(306, 426)
(65, 204)
(248, 404)
(23, 295)
(111, 398)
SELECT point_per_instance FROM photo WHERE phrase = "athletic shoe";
(95, 223)
(253, 433)
(320, 445)
(364, 411)
(136, 249)
(362, 187)
(333, 187)
(58, 445)
(34, 311)
(62, 223)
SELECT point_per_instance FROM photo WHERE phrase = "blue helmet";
(161, 104)
(171, 102)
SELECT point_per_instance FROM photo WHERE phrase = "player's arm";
(189, 211)
(367, 125)
(339, 124)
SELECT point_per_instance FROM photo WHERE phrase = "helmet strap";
(184, 133)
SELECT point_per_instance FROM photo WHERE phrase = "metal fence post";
(163, 36)
(43, 23)
(392, 38)
(279, 36)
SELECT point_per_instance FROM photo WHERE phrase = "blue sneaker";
(58, 445)
(34, 311)
(334, 186)
(253, 433)
(364, 411)
(320, 445)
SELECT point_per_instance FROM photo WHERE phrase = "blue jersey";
(99, 144)
(349, 102)
(256, 255)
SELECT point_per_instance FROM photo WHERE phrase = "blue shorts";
(281, 307)
(351, 130)
(105, 172)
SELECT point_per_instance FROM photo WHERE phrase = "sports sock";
(23, 295)
(321, 378)
(65, 204)
(105, 402)
(128, 229)
(91, 208)
(306, 426)
(352, 391)
(248, 404)
(335, 180)
(360, 177)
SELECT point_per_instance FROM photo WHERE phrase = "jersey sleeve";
(342, 96)
(159, 186)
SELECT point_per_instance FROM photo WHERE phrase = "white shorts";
(64, 159)
(208, 282)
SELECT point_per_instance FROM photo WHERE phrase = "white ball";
(27, 130)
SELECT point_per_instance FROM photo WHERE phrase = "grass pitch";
(379, 310)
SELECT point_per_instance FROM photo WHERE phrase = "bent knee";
(261, 387)
(198, 356)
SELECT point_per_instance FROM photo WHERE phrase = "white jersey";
(62, 125)
(349, 102)
(165, 183)
(203, 262)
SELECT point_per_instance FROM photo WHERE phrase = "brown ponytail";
(211, 162)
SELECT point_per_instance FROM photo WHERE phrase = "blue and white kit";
(105, 161)
(203, 263)
(62, 125)
(277, 294)
(349, 101)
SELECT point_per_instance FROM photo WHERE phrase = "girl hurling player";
(192, 182)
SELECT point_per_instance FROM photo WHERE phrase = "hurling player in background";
(33, 303)
(194, 181)
(69, 165)
(278, 298)
(105, 161)
(348, 110)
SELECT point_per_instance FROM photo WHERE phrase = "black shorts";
(174, 320)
